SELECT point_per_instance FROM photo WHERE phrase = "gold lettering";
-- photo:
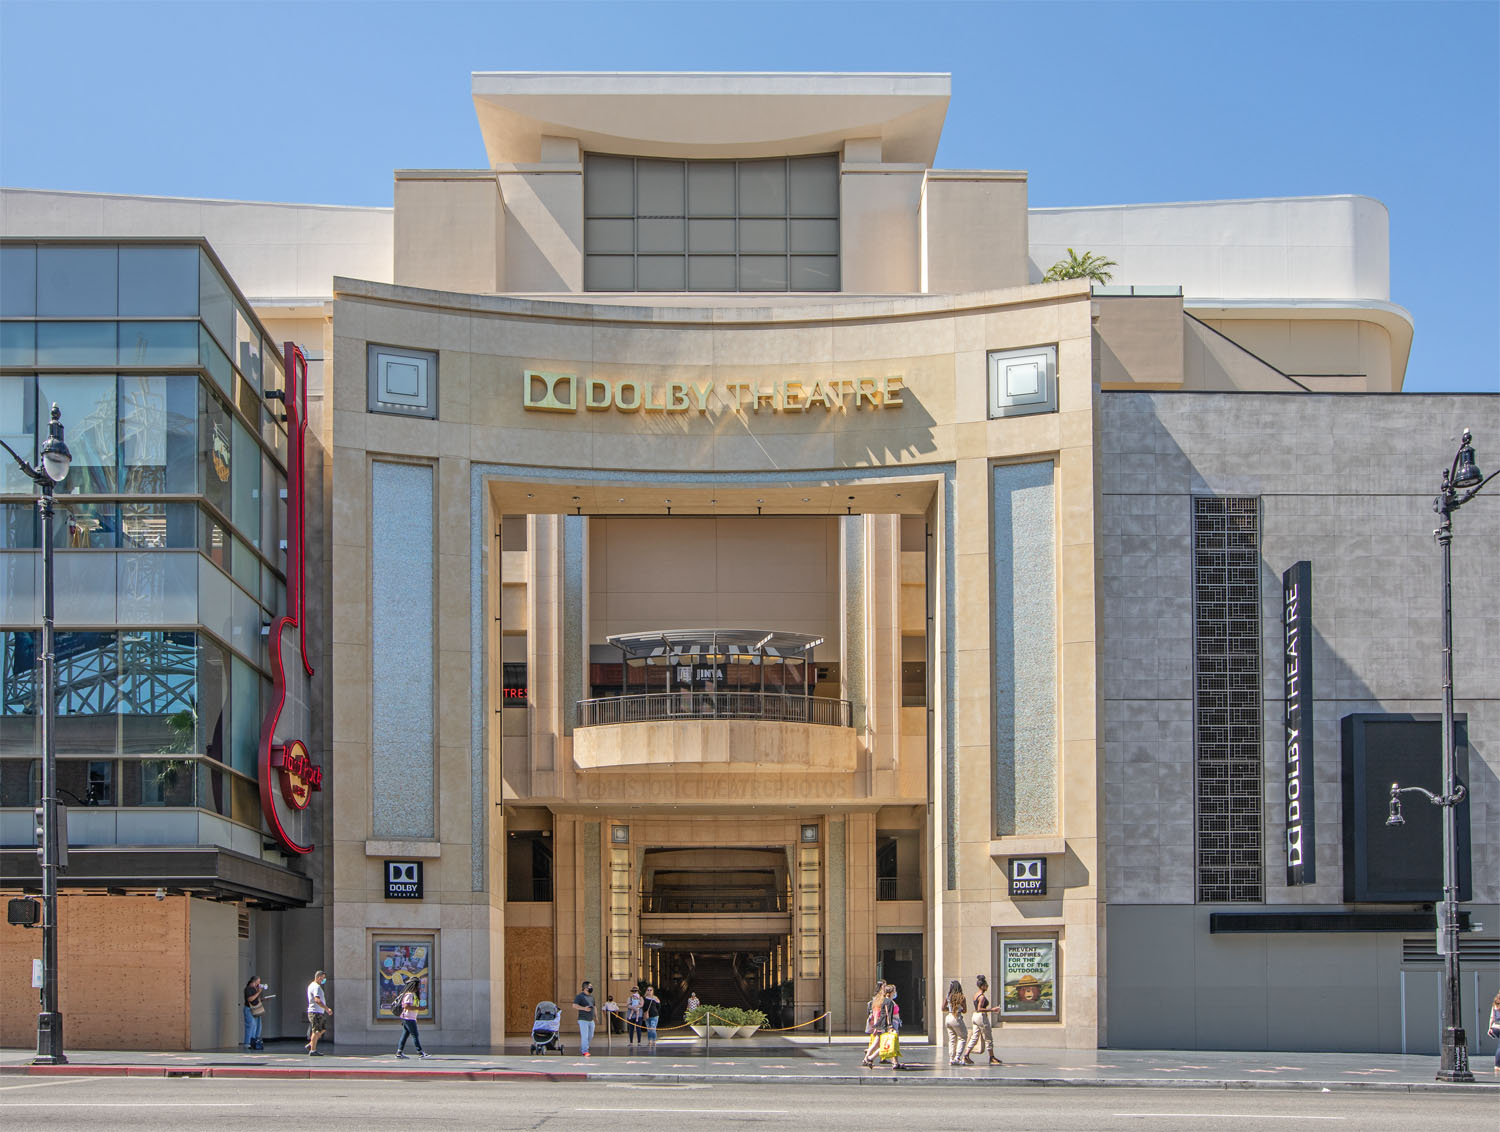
(739, 390)
(864, 390)
(549, 392)
(791, 397)
(818, 396)
(597, 394)
(627, 396)
(677, 396)
(648, 398)
(700, 393)
(891, 393)
(771, 396)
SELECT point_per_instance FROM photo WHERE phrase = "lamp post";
(56, 459)
(1461, 483)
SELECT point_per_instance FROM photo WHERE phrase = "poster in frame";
(397, 962)
(1028, 979)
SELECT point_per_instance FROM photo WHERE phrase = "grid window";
(658, 225)
(1227, 700)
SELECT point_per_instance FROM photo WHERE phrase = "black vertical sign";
(1296, 620)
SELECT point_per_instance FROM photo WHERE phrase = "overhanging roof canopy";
(698, 114)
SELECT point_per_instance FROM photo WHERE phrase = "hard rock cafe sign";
(288, 775)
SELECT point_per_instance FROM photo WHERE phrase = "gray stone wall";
(1345, 481)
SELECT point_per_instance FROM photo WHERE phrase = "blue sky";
(1102, 103)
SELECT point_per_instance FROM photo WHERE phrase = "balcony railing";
(658, 706)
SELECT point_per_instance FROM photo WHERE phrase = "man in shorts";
(318, 1013)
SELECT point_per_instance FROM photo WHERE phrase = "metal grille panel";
(1227, 700)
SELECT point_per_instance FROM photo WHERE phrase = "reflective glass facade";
(168, 527)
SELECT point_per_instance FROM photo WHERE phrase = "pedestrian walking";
(885, 1041)
(583, 1004)
(651, 1010)
(953, 1020)
(692, 1001)
(255, 1010)
(410, 1002)
(318, 1013)
(611, 1010)
(980, 1035)
(1495, 1028)
(635, 1027)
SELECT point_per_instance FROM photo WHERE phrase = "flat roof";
(709, 114)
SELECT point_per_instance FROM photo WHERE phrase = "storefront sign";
(288, 775)
(1028, 876)
(1296, 607)
(1028, 973)
(567, 393)
(403, 880)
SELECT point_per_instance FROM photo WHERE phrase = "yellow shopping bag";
(890, 1045)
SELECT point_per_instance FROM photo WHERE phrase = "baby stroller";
(544, 1028)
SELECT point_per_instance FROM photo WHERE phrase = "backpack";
(393, 1007)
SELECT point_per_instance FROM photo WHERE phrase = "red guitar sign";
(287, 774)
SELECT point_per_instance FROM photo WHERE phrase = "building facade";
(731, 567)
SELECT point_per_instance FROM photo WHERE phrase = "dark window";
(1227, 699)
(898, 865)
(528, 872)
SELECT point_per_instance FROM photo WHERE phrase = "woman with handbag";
(255, 1010)
(1495, 1028)
(953, 1021)
(885, 1042)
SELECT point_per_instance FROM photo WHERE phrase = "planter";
(700, 1029)
(747, 1031)
(725, 1031)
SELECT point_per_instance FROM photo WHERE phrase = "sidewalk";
(786, 1061)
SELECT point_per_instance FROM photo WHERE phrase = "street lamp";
(1461, 483)
(56, 459)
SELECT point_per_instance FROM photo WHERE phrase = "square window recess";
(1023, 381)
(403, 382)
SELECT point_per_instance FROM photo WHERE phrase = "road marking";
(42, 1084)
(758, 1112)
(1220, 1116)
(128, 1104)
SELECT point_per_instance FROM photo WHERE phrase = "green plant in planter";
(753, 1018)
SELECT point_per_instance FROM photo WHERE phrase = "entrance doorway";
(750, 972)
(899, 962)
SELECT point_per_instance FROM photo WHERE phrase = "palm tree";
(1086, 266)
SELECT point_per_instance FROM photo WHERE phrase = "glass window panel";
(244, 718)
(710, 188)
(246, 346)
(246, 569)
(75, 343)
(156, 589)
(246, 483)
(158, 526)
(710, 236)
(215, 432)
(215, 304)
(158, 693)
(18, 429)
(762, 188)
(814, 185)
(85, 526)
(18, 280)
(608, 236)
(158, 433)
(244, 631)
(659, 235)
(213, 359)
(711, 273)
(268, 591)
(87, 404)
(215, 788)
(815, 273)
(216, 544)
(18, 526)
(762, 273)
(158, 343)
(762, 236)
(87, 693)
(19, 694)
(159, 282)
(272, 510)
(86, 782)
(159, 782)
(77, 281)
(608, 273)
(661, 273)
(608, 186)
(213, 697)
(17, 343)
(658, 188)
(815, 236)
(247, 399)
(20, 779)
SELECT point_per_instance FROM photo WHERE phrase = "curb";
(913, 1078)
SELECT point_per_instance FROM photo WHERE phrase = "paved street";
(370, 1106)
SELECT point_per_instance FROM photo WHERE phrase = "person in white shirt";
(318, 1013)
(411, 1002)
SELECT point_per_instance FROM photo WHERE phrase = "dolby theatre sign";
(567, 393)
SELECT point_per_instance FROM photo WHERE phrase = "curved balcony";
(718, 731)
(654, 707)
